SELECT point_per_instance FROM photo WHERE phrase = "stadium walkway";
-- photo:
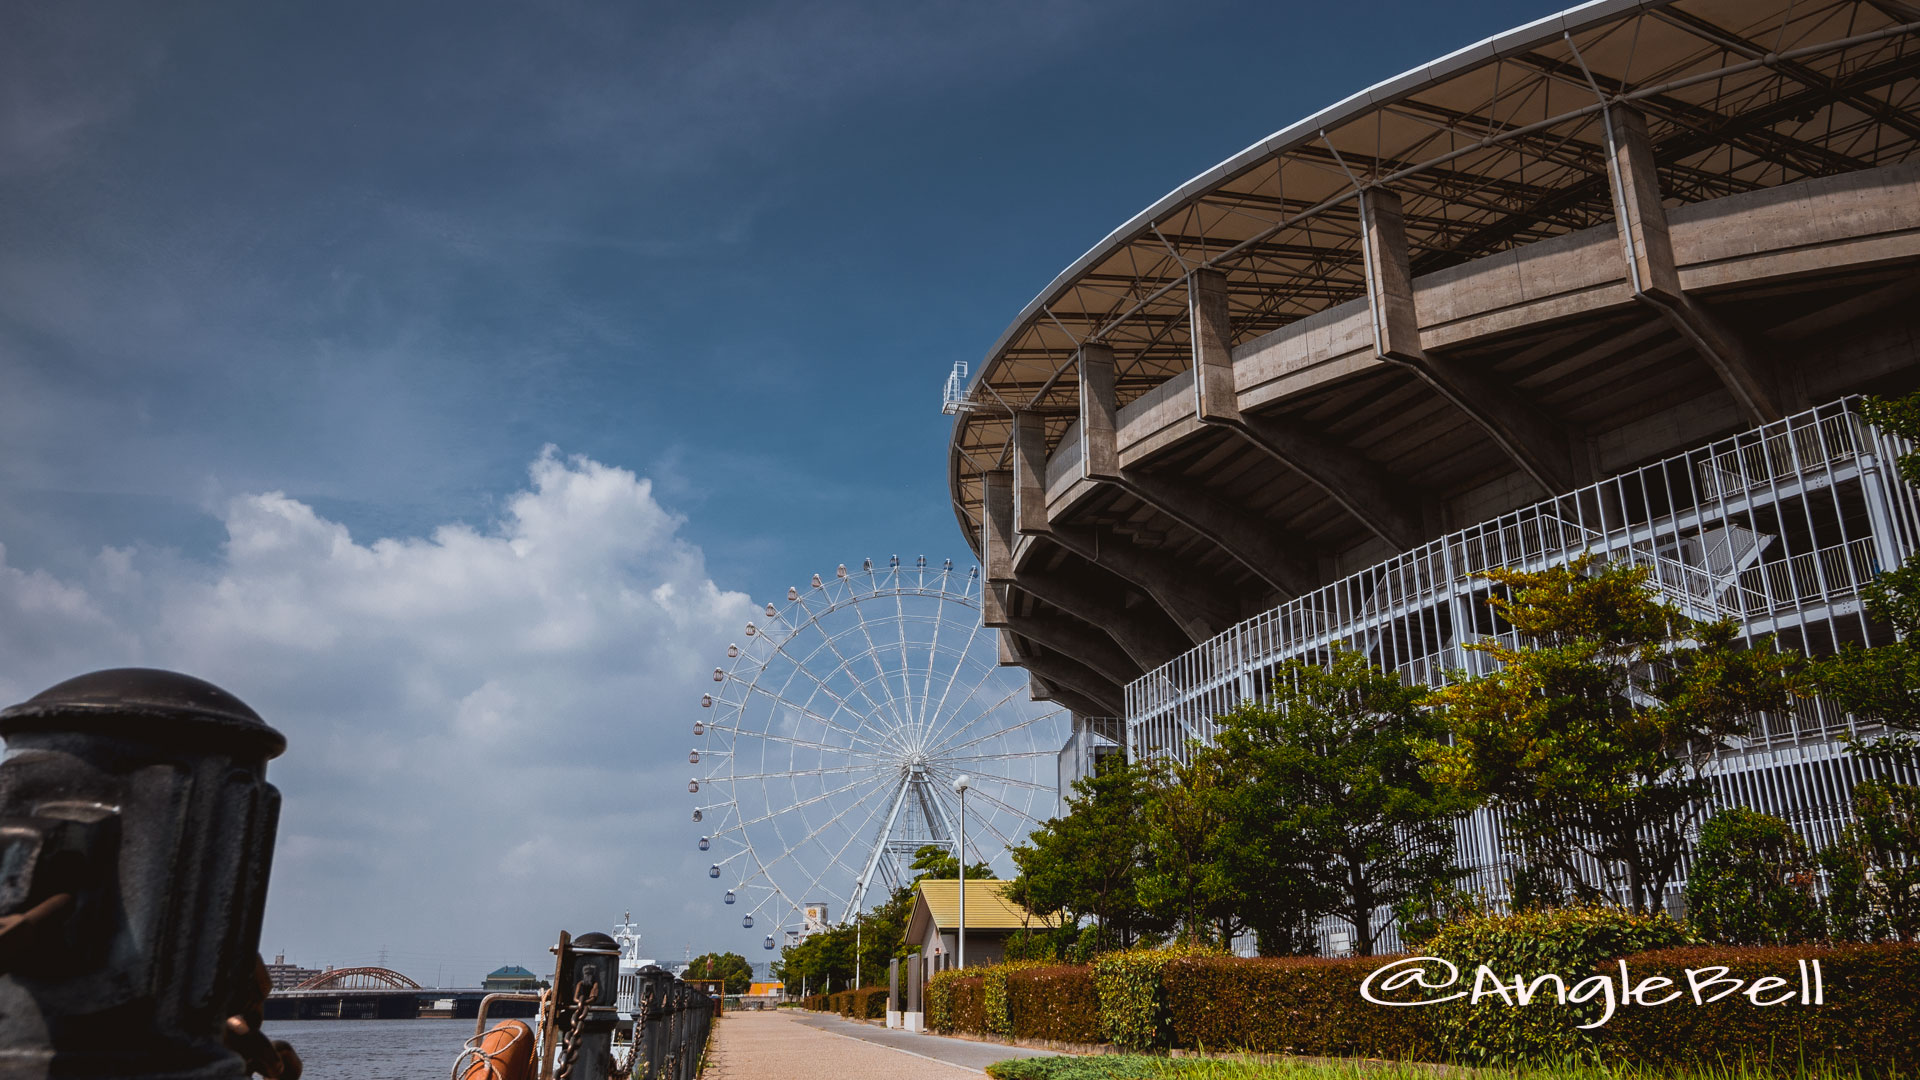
(790, 1045)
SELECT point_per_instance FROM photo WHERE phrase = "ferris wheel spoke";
(802, 772)
(852, 733)
(986, 821)
(801, 844)
(933, 658)
(944, 749)
(867, 632)
(788, 740)
(801, 667)
(809, 801)
(952, 677)
(835, 863)
(949, 732)
(1000, 757)
(845, 664)
(906, 666)
(981, 774)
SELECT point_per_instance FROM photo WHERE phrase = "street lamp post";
(856, 952)
(960, 785)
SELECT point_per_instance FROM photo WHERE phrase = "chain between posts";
(585, 992)
(643, 1007)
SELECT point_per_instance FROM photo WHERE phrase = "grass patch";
(1147, 1067)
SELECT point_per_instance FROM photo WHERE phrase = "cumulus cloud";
(483, 722)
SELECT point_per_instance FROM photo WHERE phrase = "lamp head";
(962, 783)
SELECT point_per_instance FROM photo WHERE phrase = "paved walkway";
(787, 1044)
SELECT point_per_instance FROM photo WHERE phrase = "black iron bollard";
(653, 1031)
(596, 970)
(137, 834)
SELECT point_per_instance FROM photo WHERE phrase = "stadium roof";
(1498, 145)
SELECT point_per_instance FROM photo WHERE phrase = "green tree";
(1331, 813)
(1591, 732)
(1874, 868)
(1185, 881)
(1881, 684)
(820, 962)
(935, 861)
(1086, 864)
(1752, 882)
(732, 968)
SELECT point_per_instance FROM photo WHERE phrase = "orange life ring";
(505, 1052)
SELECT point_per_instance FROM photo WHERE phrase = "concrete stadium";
(1607, 282)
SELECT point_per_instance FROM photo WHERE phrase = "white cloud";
(484, 724)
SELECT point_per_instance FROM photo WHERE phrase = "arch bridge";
(359, 978)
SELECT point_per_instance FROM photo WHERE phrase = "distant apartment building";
(286, 976)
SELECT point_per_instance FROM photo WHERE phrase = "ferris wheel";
(828, 751)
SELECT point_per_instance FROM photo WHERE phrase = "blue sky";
(281, 282)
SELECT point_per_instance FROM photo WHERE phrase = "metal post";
(856, 952)
(960, 785)
(139, 829)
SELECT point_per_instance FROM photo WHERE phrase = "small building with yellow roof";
(991, 919)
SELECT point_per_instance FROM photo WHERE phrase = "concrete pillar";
(1029, 473)
(1099, 450)
(996, 526)
(1647, 246)
(993, 605)
(1540, 446)
(1211, 327)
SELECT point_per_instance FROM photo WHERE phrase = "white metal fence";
(1777, 528)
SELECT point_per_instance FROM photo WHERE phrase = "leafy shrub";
(1053, 1002)
(1870, 1021)
(1133, 1006)
(1874, 868)
(936, 998)
(1289, 1005)
(970, 1004)
(994, 994)
(1562, 941)
(1752, 882)
(866, 1003)
(955, 1000)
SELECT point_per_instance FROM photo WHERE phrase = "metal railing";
(1777, 529)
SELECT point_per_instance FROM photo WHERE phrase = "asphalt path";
(960, 1054)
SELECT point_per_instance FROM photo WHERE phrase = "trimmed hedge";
(1055, 1002)
(936, 998)
(956, 1001)
(1870, 1019)
(969, 1012)
(1133, 1004)
(1289, 1005)
(869, 1002)
(1300, 1005)
(994, 993)
(1563, 941)
(866, 1003)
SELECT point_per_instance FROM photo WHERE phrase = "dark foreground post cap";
(128, 701)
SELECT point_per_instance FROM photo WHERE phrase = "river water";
(374, 1049)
